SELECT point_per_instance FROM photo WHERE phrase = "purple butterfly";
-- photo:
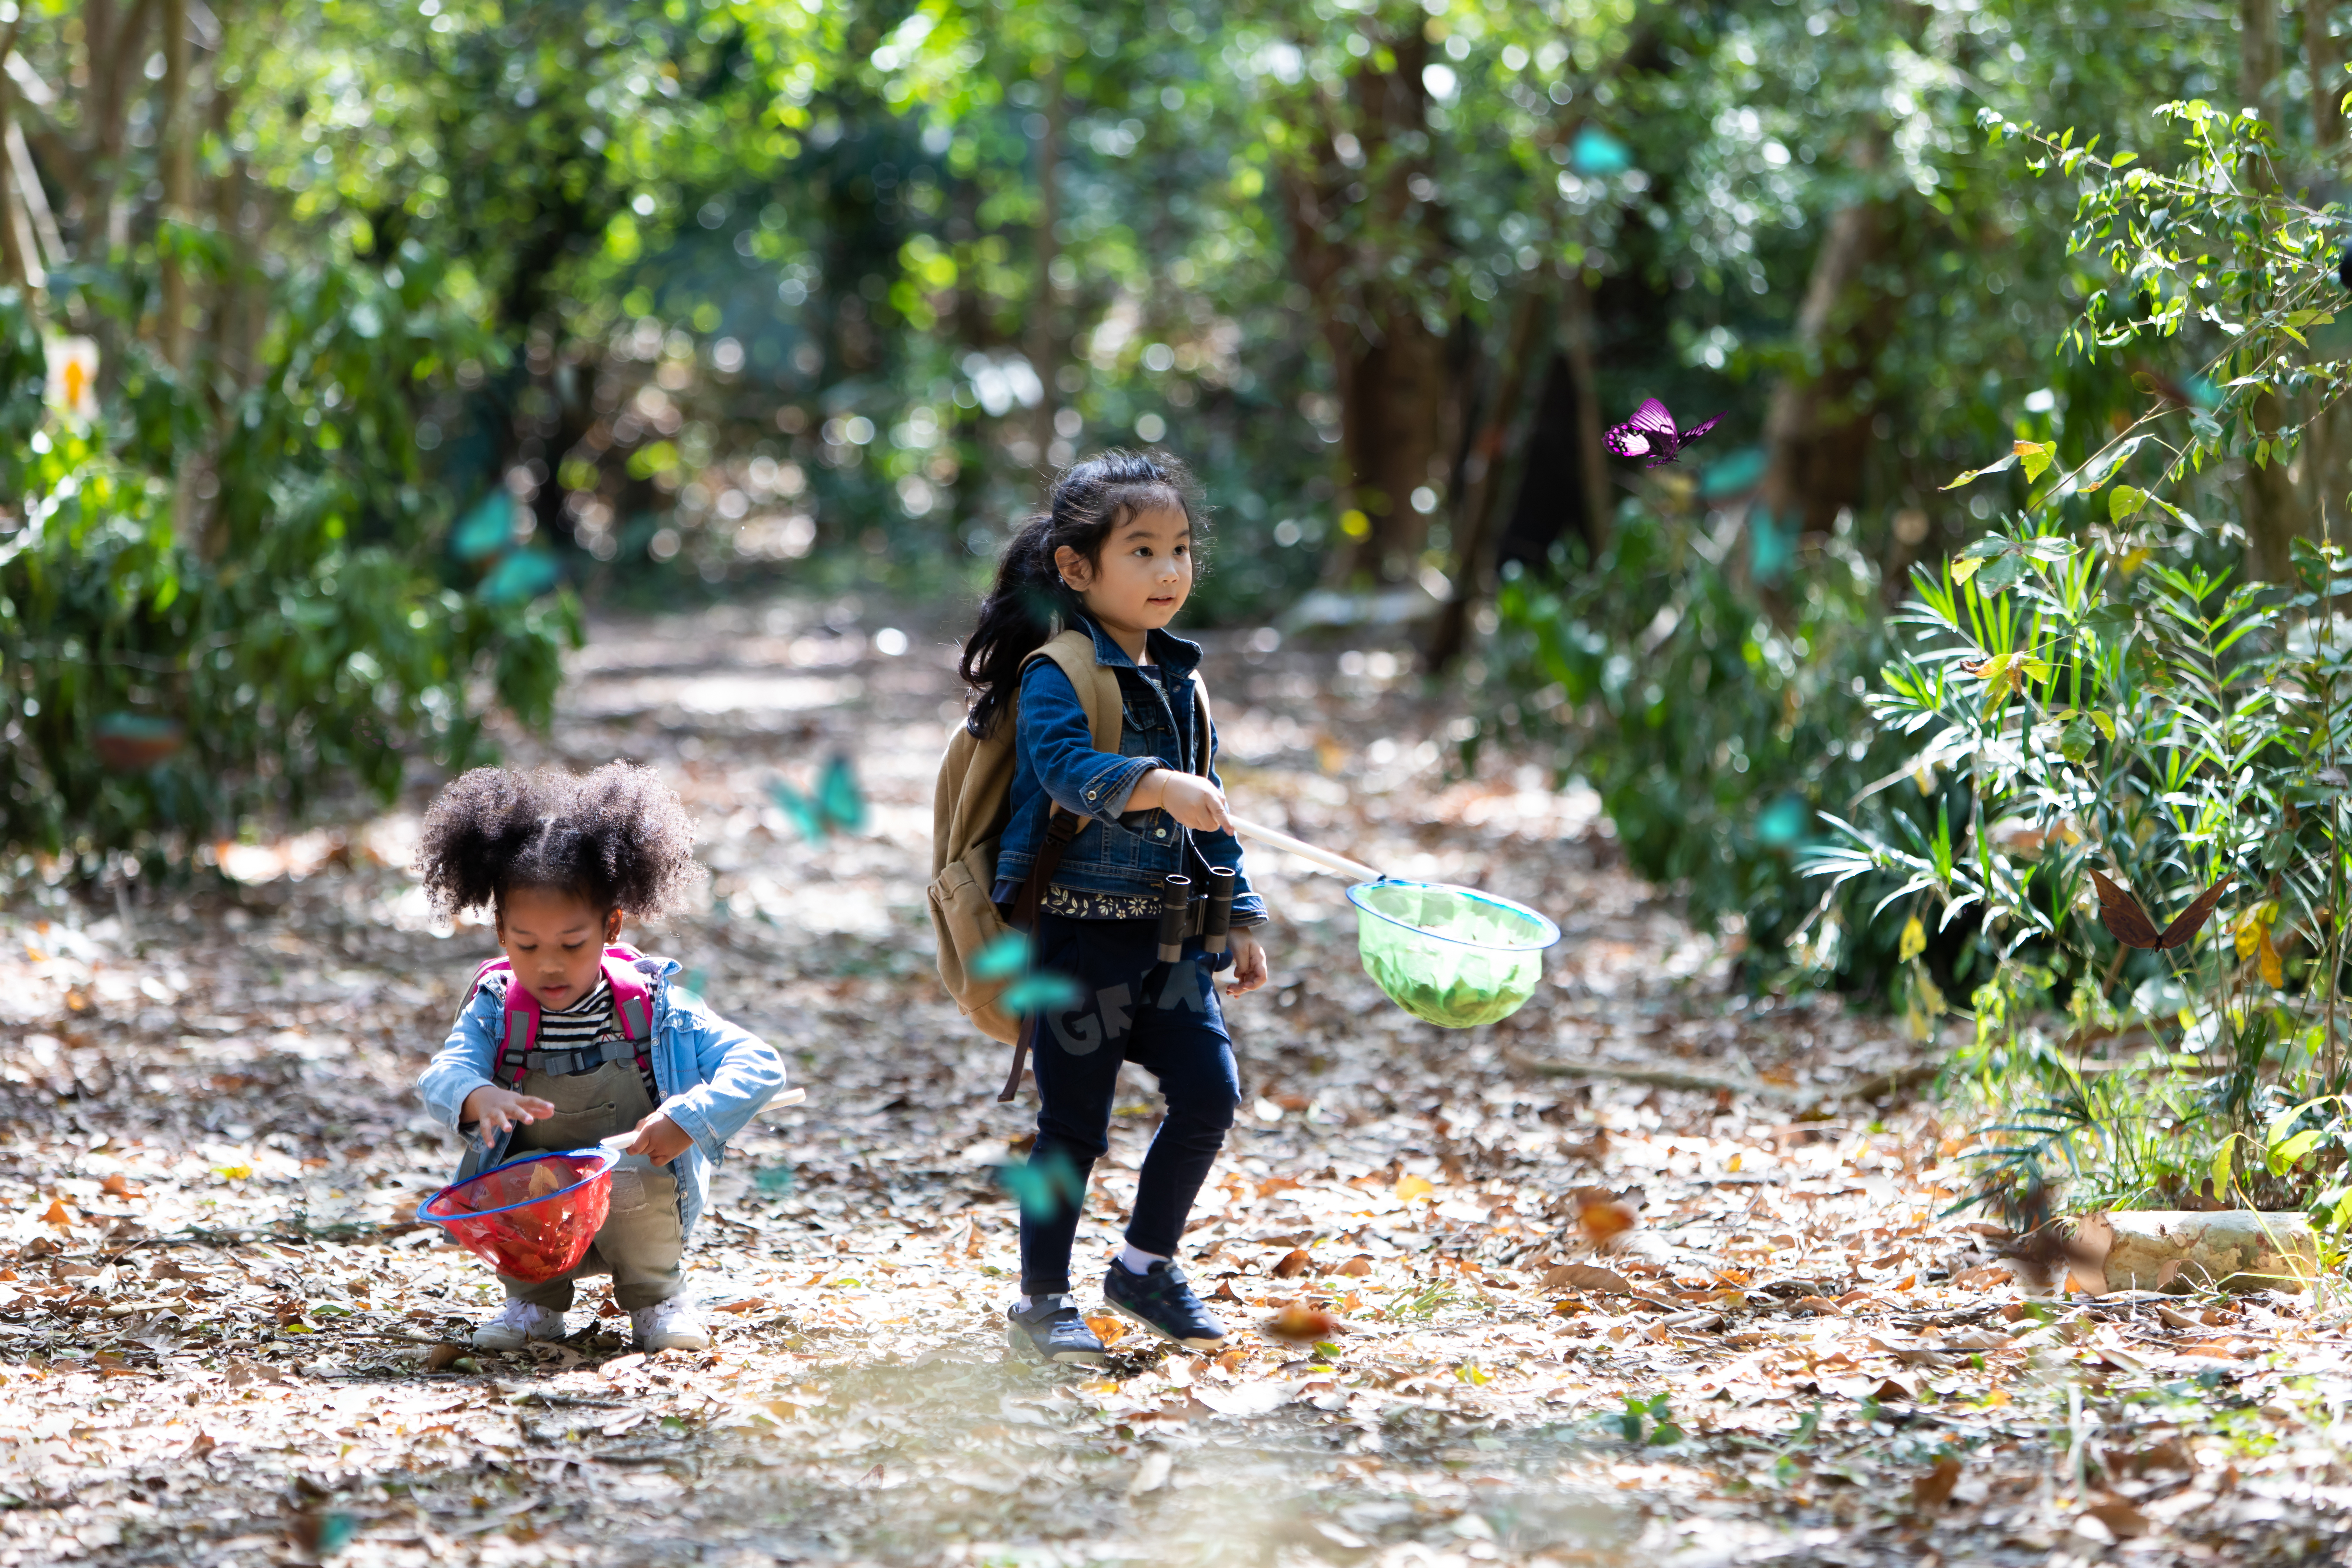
(1652, 431)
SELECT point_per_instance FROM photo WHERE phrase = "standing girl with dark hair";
(1114, 554)
(571, 1038)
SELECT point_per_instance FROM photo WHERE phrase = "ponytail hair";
(1028, 603)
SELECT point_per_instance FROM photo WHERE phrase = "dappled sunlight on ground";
(218, 1325)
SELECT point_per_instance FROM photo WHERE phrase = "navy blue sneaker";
(1053, 1331)
(1161, 1301)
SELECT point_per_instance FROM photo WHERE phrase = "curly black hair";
(617, 839)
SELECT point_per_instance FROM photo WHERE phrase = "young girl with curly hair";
(575, 1037)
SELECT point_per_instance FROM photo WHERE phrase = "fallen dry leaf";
(1933, 1491)
(2124, 1521)
(1603, 1217)
(441, 1357)
(1293, 1264)
(1586, 1277)
(1302, 1324)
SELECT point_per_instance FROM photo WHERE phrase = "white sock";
(1024, 1303)
(1135, 1260)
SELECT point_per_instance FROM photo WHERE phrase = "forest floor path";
(217, 1335)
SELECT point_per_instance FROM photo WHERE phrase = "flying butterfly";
(2129, 924)
(1031, 990)
(836, 804)
(1045, 1188)
(1651, 434)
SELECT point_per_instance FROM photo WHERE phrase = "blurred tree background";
(407, 326)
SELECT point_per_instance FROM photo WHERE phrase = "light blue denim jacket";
(713, 1075)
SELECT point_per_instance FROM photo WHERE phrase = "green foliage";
(1647, 1421)
(1719, 721)
(176, 658)
(2115, 694)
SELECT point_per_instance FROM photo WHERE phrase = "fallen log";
(1878, 1086)
(2180, 1250)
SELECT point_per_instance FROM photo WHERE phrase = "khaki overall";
(641, 1241)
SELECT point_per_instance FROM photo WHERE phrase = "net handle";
(1354, 871)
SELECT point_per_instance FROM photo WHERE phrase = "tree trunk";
(1592, 454)
(1480, 491)
(2274, 513)
(173, 141)
(1393, 382)
(34, 199)
(1811, 446)
(1564, 486)
(1044, 342)
(116, 55)
(17, 267)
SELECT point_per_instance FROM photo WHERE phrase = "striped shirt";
(586, 1022)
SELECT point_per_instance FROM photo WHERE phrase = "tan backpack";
(970, 808)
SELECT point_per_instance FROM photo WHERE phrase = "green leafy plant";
(1647, 1421)
(1717, 718)
(2120, 692)
(171, 663)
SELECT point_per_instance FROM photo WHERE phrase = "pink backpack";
(633, 1002)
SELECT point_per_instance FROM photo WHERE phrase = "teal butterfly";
(1033, 991)
(1046, 1189)
(1771, 550)
(837, 805)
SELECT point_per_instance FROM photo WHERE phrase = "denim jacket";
(713, 1076)
(1118, 851)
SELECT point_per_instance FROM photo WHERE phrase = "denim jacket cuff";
(692, 1122)
(456, 1106)
(1107, 792)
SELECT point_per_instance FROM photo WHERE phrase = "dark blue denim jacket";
(1118, 851)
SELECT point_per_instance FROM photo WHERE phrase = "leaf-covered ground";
(217, 1339)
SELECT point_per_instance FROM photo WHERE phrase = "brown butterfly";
(2129, 924)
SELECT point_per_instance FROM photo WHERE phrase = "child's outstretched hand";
(659, 1140)
(1250, 969)
(1189, 798)
(493, 1110)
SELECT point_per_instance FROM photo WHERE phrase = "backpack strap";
(633, 999)
(518, 1030)
(1097, 684)
(633, 1004)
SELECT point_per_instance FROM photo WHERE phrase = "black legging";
(1176, 1032)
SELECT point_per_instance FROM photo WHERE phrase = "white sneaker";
(518, 1322)
(671, 1325)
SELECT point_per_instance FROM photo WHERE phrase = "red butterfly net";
(531, 1218)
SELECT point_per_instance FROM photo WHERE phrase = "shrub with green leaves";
(173, 662)
(1716, 717)
(2122, 693)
